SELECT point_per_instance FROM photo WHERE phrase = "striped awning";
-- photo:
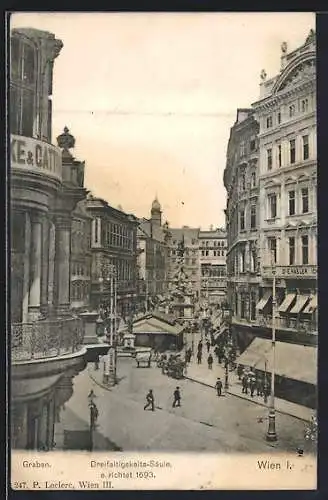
(263, 302)
(311, 307)
(287, 302)
(300, 303)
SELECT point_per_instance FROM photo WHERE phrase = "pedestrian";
(176, 398)
(150, 400)
(259, 386)
(244, 383)
(208, 345)
(239, 371)
(200, 346)
(252, 385)
(199, 357)
(210, 361)
(218, 386)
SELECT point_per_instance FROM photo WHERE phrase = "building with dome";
(153, 257)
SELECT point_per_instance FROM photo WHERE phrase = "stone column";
(26, 284)
(51, 264)
(45, 265)
(62, 264)
(35, 267)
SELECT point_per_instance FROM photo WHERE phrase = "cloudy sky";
(151, 97)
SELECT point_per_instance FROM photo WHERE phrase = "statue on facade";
(263, 75)
(284, 47)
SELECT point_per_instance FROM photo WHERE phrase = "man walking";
(199, 357)
(176, 398)
(218, 387)
(210, 361)
(150, 401)
(208, 345)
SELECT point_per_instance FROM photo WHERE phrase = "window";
(206, 253)
(291, 110)
(305, 147)
(305, 200)
(305, 249)
(242, 220)
(291, 203)
(242, 183)
(279, 155)
(252, 145)
(269, 158)
(242, 148)
(273, 249)
(253, 306)
(253, 216)
(292, 150)
(304, 105)
(253, 179)
(272, 206)
(279, 117)
(269, 122)
(291, 250)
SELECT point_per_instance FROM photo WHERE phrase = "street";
(204, 422)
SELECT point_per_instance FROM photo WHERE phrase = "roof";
(156, 324)
(294, 361)
(216, 233)
(151, 230)
(177, 233)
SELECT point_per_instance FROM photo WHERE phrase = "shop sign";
(32, 155)
(291, 271)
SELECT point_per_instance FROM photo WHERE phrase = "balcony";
(45, 339)
(299, 326)
(288, 324)
(294, 272)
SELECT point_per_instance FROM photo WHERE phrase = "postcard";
(164, 314)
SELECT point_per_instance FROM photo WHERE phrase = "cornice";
(274, 99)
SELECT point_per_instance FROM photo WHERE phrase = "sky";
(150, 99)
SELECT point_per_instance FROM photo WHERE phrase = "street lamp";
(271, 433)
(93, 415)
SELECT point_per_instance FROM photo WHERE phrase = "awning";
(263, 302)
(301, 300)
(311, 306)
(287, 302)
(293, 361)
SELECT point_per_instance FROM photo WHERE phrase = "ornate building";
(241, 180)
(281, 228)
(212, 261)
(286, 113)
(153, 256)
(45, 188)
(114, 252)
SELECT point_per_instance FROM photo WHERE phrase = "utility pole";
(271, 433)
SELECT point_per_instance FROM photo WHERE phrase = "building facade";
(81, 258)
(286, 113)
(189, 237)
(212, 262)
(153, 255)
(45, 188)
(272, 225)
(241, 180)
(114, 254)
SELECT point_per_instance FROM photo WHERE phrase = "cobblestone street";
(204, 422)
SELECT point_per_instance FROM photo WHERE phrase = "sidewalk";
(202, 375)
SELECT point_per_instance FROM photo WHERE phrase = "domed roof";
(156, 207)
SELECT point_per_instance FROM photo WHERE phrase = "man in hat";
(218, 386)
(150, 400)
(176, 398)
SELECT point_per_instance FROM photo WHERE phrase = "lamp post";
(93, 416)
(271, 432)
